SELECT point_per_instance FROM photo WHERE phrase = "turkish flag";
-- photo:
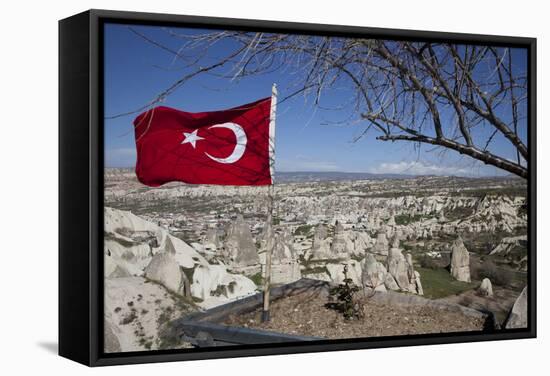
(229, 147)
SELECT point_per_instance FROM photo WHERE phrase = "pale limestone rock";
(214, 285)
(395, 242)
(164, 269)
(285, 272)
(460, 261)
(240, 247)
(398, 268)
(212, 239)
(111, 344)
(320, 232)
(125, 257)
(507, 244)
(112, 269)
(338, 246)
(336, 272)
(418, 283)
(149, 300)
(282, 251)
(518, 316)
(185, 255)
(486, 287)
(381, 245)
(123, 222)
(358, 242)
(206, 278)
(321, 250)
(285, 266)
(374, 273)
(321, 247)
(390, 282)
(412, 274)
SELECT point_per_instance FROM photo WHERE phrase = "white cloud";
(420, 168)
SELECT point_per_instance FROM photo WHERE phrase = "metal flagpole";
(269, 223)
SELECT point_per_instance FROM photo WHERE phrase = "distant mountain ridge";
(304, 176)
(312, 176)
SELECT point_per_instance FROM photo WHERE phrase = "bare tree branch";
(464, 98)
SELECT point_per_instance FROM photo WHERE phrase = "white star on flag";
(191, 138)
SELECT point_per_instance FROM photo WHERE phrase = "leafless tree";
(465, 98)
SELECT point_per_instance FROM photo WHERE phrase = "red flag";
(229, 147)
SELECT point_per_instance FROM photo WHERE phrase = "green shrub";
(488, 269)
(428, 262)
(342, 298)
(257, 278)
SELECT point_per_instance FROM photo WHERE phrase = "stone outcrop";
(518, 316)
(336, 271)
(136, 247)
(164, 269)
(357, 242)
(506, 245)
(285, 267)
(320, 233)
(417, 283)
(321, 248)
(282, 251)
(212, 239)
(338, 246)
(135, 308)
(398, 276)
(486, 287)
(111, 344)
(374, 273)
(399, 268)
(390, 283)
(240, 249)
(213, 282)
(460, 261)
(124, 257)
(381, 245)
(284, 272)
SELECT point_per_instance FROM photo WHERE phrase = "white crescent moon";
(240, 146)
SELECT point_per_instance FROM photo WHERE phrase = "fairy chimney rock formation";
(381, 245)
(240, 247)
(374, 273)
(338, 246)
(321, 248)
(460, 261)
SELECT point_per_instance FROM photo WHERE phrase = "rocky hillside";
(151, 277)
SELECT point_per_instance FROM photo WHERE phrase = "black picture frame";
(81, 187)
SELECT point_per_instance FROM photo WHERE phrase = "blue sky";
(136, 71)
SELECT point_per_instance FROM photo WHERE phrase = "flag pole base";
(265, 316)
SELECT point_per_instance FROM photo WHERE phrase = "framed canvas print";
(239, 187)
